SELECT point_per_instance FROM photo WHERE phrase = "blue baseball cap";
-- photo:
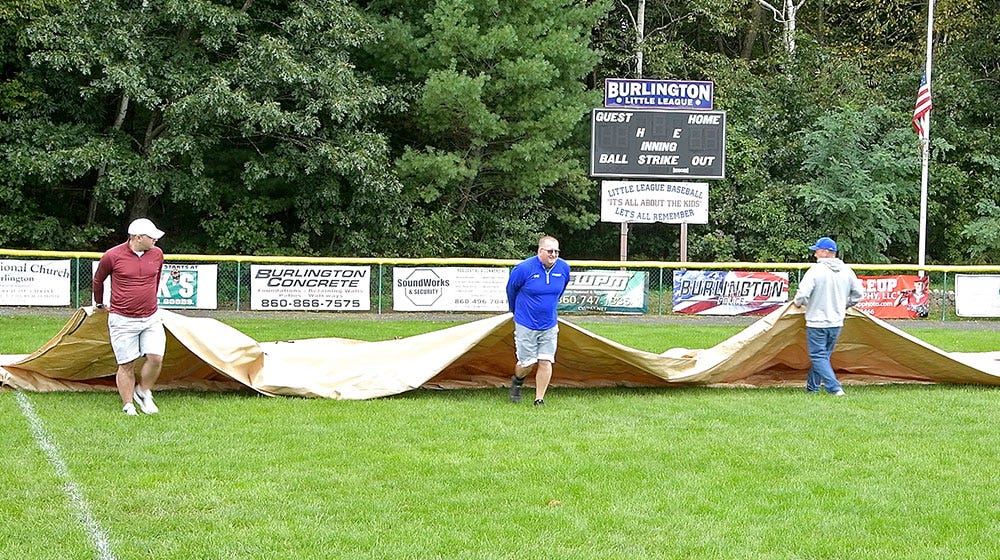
(825, 243)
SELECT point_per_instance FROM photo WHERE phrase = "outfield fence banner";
(189, 286)
(654, 201)
(310, 288)
(182, 286)
(40, 283)
(606, 291)
(728, 292)
(449, 289)
(295, 283)
(977, 295)
(901, 296)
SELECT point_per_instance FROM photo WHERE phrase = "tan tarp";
(201, 354)
(206, 354)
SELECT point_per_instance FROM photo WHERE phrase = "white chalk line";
(82, 509)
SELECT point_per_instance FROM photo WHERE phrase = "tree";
(786, 15)
(454, 127)
(250, 121)
(860, 192)
(492, 98)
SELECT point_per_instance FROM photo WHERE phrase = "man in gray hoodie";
(827, 289)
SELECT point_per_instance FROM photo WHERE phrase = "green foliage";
(983, 234)
(459, 127)
(494, 95)
(205, 110)
(861, 187)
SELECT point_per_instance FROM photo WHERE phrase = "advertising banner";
(182, 286)
(189, 286)
(658, 94)
(977, 295)
(605, 291)
(651, 202)
(310, 288)
(895, 297)
(728, 292)
(449, 289)
(34, 283)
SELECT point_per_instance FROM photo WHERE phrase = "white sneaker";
(129, 409)
(839, 393)
(145, 401)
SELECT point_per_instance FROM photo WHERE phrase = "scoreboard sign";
(654, 144)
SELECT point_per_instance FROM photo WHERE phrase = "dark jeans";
(821, 342)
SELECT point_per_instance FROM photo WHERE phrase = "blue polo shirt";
(533, 292)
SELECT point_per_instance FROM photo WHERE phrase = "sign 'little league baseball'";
(654, 201)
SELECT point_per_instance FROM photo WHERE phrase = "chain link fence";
(234, 277)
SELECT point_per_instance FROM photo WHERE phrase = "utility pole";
(640, 30)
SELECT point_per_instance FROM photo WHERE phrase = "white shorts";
(532, 346)
(132, 339)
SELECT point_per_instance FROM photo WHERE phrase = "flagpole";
(925, 147)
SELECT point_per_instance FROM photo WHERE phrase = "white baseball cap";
(143, 226)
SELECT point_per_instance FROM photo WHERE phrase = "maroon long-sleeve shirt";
(134, 280)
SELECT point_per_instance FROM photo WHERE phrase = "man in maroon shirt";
(133, 322)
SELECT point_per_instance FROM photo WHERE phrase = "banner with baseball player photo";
(182, 286)
(898, 296)
(728, 292)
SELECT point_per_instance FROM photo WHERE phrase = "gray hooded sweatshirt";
(827, 289)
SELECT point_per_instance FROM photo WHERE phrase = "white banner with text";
(449, 289)
(977, 295)
(286, 287)
(654, 201)
(36, 283)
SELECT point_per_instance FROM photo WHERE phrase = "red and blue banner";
(728, 292)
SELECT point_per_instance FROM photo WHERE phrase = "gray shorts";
(132, 339)
(532, 346)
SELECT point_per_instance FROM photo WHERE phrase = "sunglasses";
(550, 251)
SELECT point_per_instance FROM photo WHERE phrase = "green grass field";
(889, 472)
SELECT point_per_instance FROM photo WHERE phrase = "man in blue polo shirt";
(533, 291)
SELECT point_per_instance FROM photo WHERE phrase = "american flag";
(922, 110)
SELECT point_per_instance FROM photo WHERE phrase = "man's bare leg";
(125, 381)
(542, 378)
(150, 372)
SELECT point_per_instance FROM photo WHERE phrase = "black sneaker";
(515, 388)
(539, 402)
